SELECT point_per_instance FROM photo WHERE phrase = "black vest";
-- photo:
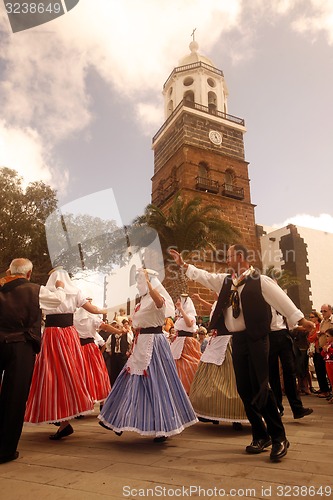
(20, 311)
(257, 313)
(124, 345)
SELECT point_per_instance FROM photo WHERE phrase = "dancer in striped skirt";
(58, 390)
(185, 348)
(148, 397)
(96, 373)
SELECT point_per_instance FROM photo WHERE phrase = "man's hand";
(306, 324)
(176, 257)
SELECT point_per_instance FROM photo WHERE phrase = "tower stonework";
(200, 147)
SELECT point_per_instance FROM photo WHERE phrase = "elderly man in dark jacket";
(21, 303)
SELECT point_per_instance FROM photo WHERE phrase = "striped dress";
(96, 374)
(147, 396)
(187, 361)
(58, 389)
(213, 392)
(186, 350)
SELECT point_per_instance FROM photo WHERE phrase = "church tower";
(200, 148)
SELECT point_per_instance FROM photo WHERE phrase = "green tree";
(22, 217)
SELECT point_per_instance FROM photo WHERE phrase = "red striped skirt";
(58, 389)
(97, 377)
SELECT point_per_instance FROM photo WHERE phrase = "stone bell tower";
(200, 148)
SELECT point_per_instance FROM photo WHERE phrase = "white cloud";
(322, 222)
(319, 20)
(23, 150)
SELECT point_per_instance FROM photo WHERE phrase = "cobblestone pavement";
(206, 461)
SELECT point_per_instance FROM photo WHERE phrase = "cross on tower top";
(193, 32)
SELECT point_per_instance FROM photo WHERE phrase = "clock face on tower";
(215, 137)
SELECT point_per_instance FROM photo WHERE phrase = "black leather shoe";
(9, 458)
(303, 412)
(237, 426)
(258, 445)
(279, 450)
(102, 424)
(160, 439)
(67, 431)
(202, 419)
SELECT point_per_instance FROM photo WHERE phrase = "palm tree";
(285, 279)
(189, 226)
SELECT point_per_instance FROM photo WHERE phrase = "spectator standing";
(315, 353)
(20, 335)
(327, 354)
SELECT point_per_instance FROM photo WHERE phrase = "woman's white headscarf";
(60, 274)
(187, 304)
(157, 285)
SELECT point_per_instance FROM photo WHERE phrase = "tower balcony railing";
(232, 191)
(207, 185)
(165, 192)
(198, 107)
(190, 67)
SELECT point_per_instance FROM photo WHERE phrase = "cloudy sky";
(80, 98)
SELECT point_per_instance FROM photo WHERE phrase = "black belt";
(61, 320)
(183, 333)
(221, 332)
(86, 341)
(151, 329)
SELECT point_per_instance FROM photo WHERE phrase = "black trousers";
(250, 359)
(320, 367)
(281, 347)
(118, 362)
(17, 361)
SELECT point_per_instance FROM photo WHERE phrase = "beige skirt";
(213, 392)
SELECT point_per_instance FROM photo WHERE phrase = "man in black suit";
(243, 310)
(20, 333)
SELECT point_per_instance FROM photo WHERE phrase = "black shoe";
(279, 450)
(258, 445)
(237, 426)
(67, 431)
(9, 458)
(78, 417)
(118, 433)
(102, 424)
(303, 412)
(160, 439)
(208, 420)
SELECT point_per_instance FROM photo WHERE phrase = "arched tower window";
(170, 107)
(189, 96)
(132, 276)
(203, 170)
(229, 179)
(212, 102)
(173, 174)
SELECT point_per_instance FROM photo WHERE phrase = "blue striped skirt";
(154, 404)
